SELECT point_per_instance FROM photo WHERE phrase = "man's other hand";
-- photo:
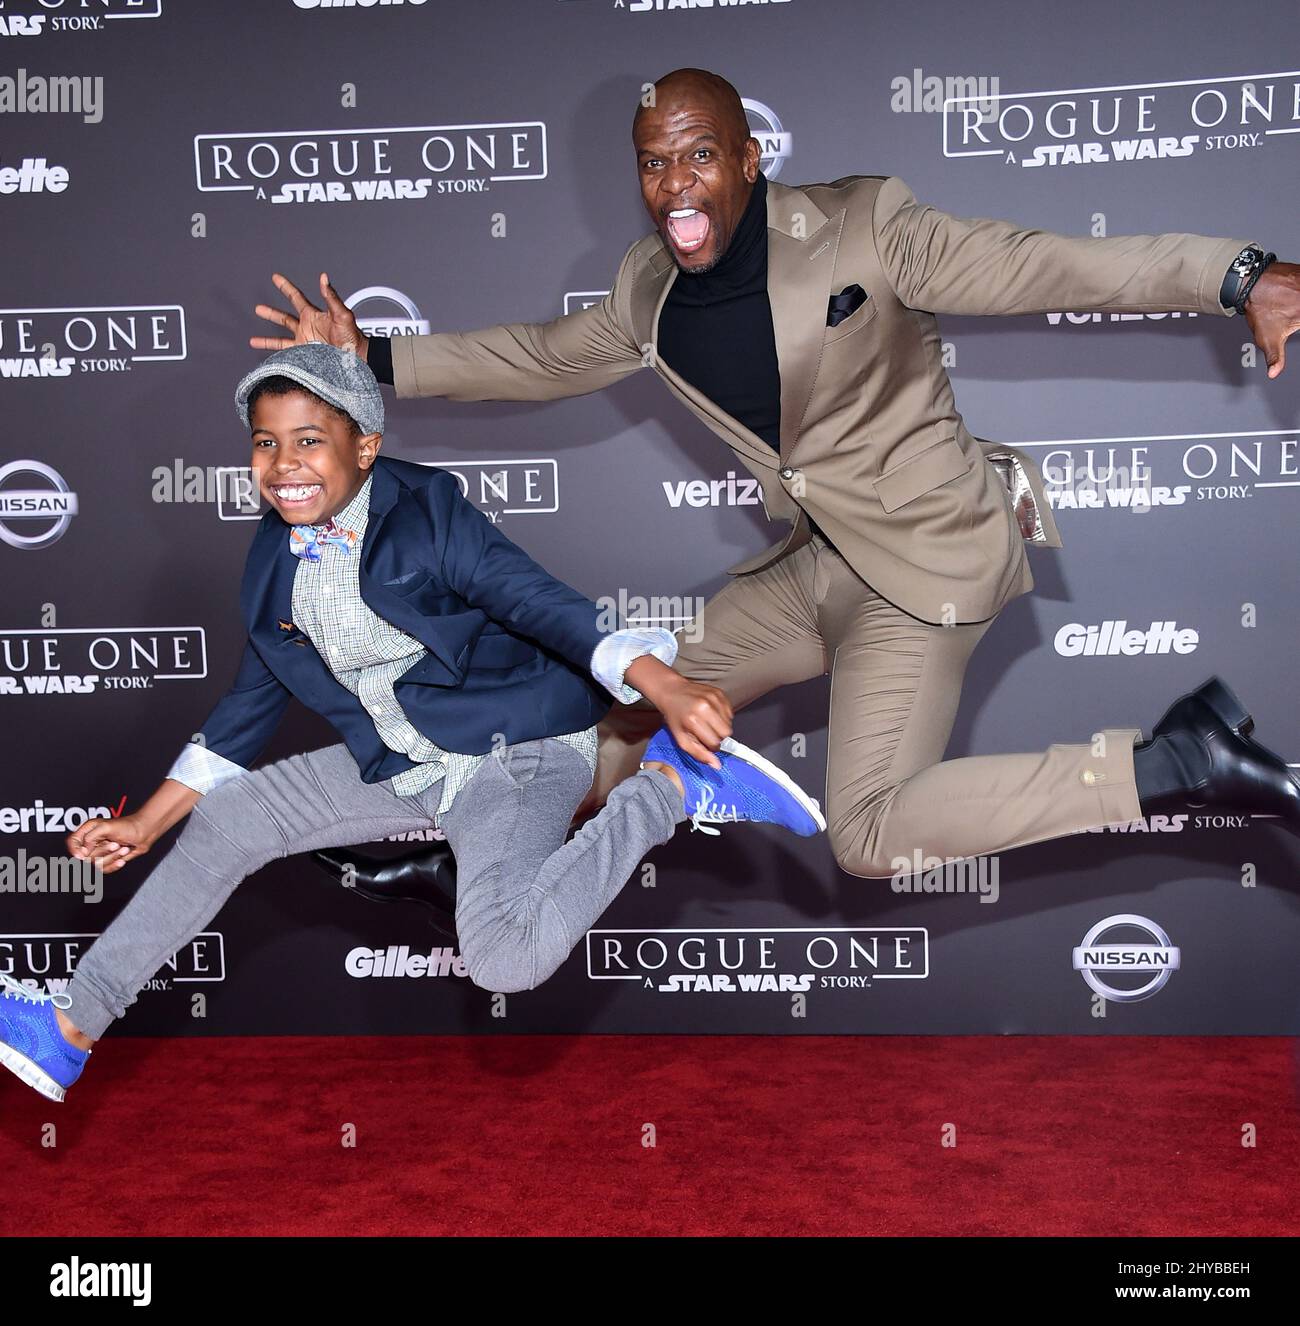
(334, 324)
(1273, 312)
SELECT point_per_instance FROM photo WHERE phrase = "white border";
(221, 503)
(1179, 437)
(1118, 87)
(775, 930)
(180, 980)
(526, 460)
(127, 630)
(117, 308)
(594, 295)
(344, 131)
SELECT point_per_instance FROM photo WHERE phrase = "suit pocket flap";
(928, 469)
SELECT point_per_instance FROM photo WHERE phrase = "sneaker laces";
(711, 812)
(11, 989)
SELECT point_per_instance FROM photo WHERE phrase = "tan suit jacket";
(872, 445)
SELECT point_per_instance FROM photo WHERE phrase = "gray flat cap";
(336, 376)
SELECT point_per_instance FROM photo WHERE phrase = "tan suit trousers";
(891, 799)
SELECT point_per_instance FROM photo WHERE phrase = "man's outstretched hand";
(1273, 312)
(333, 324)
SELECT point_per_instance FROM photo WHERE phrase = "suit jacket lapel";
(801, 246)
(266, 594)
(396, 535)
(653, 294)
(383, 497)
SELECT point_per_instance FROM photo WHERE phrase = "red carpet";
(755, 1135)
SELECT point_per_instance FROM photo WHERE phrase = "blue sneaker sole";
(32, 1073)
(779, 777)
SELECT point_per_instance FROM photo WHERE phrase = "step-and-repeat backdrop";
(456, 164)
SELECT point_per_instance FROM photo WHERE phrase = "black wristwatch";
(1246, 269)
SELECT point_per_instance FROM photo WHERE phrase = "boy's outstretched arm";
(232, 737)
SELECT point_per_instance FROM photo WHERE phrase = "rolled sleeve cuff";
(620, 649)
(202, 769)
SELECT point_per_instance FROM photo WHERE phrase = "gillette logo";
(1111, 638)
(33, 175)
(398, 960)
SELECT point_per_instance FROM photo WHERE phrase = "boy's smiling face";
(308, 460)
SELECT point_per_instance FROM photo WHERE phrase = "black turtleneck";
(715, 329)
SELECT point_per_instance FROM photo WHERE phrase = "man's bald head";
(697, 163)
(700, 88)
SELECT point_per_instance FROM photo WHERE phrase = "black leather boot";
(427, 877)
(1201, 753)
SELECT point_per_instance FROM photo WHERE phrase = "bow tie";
(306, 541)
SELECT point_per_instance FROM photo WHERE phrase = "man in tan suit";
(799, 325)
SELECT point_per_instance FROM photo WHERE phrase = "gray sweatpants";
(524, 896)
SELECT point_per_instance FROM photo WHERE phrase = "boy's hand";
(334, 324)
(699, 716)
(111, 843)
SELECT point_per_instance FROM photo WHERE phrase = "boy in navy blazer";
(466, 684)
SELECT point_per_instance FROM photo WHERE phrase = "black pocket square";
(843, 305)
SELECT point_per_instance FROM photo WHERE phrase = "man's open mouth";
(296, 494)
(688, 229)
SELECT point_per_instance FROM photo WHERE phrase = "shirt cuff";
(202, 769)
(620, 649)
(379, 356)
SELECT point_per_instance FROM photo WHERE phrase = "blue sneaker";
(31, 1044)
(746, 788)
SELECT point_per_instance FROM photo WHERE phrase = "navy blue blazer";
(509, 646)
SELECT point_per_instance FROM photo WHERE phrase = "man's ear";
(753, 156)
(368, 448)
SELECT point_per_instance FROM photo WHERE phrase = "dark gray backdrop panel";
(121, 234)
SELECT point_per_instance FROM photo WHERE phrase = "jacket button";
(787, 472)
(1091, 778)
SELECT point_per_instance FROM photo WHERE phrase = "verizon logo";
(731, 491)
